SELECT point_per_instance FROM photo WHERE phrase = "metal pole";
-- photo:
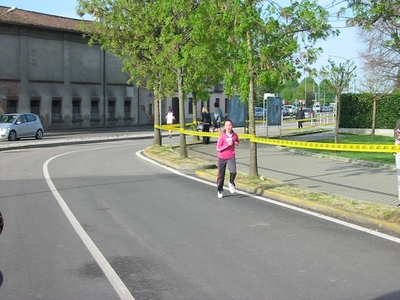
(104, 88)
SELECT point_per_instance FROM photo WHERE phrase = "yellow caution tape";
(292, 143)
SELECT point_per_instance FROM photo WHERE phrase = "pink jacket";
(226, 151)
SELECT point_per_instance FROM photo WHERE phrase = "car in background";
(309, 113)
(285, 111)
(324, 108)
(290, 108)
(317, 108)
(16, 126)
(258, 113)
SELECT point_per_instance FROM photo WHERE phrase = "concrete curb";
(71, 141)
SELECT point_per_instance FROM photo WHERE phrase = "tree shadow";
(390, 296)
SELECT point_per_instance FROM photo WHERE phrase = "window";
(21, 119)
(127, 109)
(226, 105)
(218, 88)
(56, 109)
(150, 109)
(30, 118)
(12, 106)
(35, 106)
(111, 108)
(76, 109)
(94, 109)
(190, 106)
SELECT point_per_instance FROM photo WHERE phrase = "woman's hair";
(204, 110)
(229, 120)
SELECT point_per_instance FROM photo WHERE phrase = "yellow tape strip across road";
(294, 144)
(329, 146)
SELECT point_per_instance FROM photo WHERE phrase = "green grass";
(379, 157)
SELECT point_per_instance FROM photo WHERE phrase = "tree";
(379, 23)
(135, 38)
(376, 87)
(265, 40)
(327, 93)
(289, 90)
(306, 90)
(158, 42)
(339, 78)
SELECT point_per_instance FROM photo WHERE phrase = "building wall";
(216, 96)
(41, 67)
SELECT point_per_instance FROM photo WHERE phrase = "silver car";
(308, 113)
(290, 108)
(16, 126)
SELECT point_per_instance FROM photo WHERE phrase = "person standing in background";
(218, 117)
(206, 120)
(170, 120)
(300, 116)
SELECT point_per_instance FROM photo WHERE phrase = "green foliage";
(306, 89)
(356, 111)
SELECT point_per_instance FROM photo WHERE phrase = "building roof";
(35, 19)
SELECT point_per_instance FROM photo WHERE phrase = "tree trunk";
(182, 138)
(337, 117)
(156, 113)
(253, 167)
(373, 119)
(194, 108)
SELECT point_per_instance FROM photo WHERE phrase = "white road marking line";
(116, 282)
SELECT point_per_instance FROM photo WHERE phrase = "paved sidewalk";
(355, 181)
(343, 178)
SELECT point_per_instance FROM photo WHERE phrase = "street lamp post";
(347, 61)
(8, 11)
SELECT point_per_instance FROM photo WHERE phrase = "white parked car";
(290, 108)
(317, 108)
(16, 126)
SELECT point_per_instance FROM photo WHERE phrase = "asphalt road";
(97, 221)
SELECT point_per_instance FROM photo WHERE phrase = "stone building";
(47, 67)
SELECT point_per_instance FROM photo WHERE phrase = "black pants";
(300, 124)
(231, 162)
(206, 128)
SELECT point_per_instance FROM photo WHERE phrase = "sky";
(345, 46)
